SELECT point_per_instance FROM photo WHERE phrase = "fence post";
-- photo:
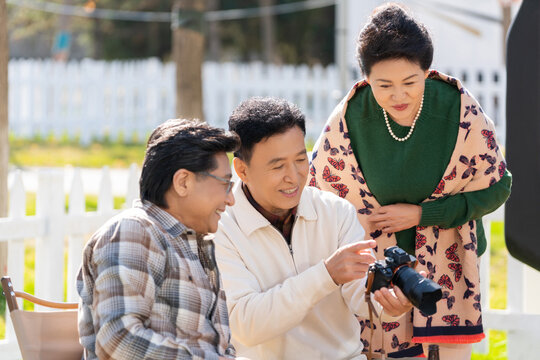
(132, 192)
(105, 203)
(521, 344)
(15, 255)
(50, 203)
(75, 242)
(517, 343)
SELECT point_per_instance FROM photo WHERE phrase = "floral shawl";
(449, 256)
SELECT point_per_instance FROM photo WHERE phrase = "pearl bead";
(412, 126)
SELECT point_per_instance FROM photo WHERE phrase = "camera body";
(398, 269)
(384, 269)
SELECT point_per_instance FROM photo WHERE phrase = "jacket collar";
(249, 219)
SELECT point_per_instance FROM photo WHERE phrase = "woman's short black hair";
(180, 144)
(392, 33)
(258, 118)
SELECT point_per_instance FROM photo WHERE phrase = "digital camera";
(398, 269)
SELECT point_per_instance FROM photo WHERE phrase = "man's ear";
(241, 168)
(182, 182)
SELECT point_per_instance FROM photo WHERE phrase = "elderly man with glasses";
(149, 284)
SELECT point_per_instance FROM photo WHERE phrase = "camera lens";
(421, 292)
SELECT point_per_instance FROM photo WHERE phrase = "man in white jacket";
(290, 256)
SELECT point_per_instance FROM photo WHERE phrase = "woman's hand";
(396, 217)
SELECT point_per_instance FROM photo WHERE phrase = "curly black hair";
(258, 118)
(392, 33)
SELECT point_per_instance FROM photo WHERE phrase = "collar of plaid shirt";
(283, 224)
(205, 245)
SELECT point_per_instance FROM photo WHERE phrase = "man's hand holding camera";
(350, 262)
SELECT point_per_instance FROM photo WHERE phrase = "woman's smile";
(401, 107)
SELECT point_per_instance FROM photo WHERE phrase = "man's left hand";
(394, 302)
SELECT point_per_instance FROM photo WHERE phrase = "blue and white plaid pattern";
(146, 294)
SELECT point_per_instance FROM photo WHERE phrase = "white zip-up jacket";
(282, 303)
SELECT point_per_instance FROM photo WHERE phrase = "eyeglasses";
(230, 183)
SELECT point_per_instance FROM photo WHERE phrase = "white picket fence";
(94, 99)
(57, 233)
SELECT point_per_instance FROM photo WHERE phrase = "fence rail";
(93, 99)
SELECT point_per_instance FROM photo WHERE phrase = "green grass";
(90, 203)
(499, 256)
(52, 152)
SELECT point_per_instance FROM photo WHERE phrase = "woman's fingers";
(378, 217)
(388, 227)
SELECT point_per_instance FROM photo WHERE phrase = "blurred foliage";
(305, 37)
(300, 37)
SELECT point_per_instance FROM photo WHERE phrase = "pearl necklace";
(412, 126)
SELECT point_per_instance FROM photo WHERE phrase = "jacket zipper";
(289, 245)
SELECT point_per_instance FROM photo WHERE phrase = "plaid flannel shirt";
(150, 289)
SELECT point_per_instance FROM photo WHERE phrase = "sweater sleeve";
(456, 210)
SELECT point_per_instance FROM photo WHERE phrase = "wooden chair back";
(44, 334)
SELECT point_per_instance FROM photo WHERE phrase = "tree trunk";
(267, 33)
(188, 55)
(214, 28)
(4, 139)
(97, 36)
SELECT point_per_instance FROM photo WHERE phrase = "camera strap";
(373, 312)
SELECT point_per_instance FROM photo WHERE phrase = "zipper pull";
(290, 249)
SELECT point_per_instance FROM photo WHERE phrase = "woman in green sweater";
(414, 152)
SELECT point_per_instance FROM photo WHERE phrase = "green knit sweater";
(396, 172)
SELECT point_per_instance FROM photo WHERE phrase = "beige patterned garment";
(448, 255)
